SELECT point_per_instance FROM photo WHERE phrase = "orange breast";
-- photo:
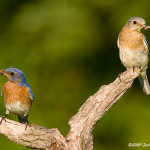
(131, 39)
(13, 93)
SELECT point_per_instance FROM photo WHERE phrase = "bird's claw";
(27, 125)
(3, 118)
(136, 69)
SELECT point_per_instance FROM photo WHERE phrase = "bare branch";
(34, 136)
(93, 109)
(81, 124)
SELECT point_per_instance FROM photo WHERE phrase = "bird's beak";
(1, 72)
(146, 27)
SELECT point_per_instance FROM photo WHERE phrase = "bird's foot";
(27, 125)
(3, 118)
(136, 69)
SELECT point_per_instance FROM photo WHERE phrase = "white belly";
(134, 58)
(17, 108)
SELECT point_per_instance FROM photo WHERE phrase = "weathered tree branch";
(35, 137)
(81, 124)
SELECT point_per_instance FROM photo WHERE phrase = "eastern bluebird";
(18, 96)
(133, 48)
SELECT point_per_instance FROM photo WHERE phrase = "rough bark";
(81, 124)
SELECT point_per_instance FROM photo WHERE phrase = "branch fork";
(81, 124)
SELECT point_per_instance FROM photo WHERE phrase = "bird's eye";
(11, 73)
(134, 22)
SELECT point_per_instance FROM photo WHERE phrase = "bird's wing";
(118, 42)
(145, 43)
(30, 92)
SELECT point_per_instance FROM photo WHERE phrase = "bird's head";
(136, 24)
(13, 74)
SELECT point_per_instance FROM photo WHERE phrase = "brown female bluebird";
(17, 94)
(133, 48)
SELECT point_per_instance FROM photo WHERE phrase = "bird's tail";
(145, 84)
(23, 119)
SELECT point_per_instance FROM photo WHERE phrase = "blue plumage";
(17, 94)
(19, 76)
(30, 91)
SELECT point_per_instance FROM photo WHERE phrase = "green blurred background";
(67, 49)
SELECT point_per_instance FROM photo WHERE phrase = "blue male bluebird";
(18, 96)
(133, 48)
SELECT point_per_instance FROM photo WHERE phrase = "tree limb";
(34, 136)
(81, 124)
